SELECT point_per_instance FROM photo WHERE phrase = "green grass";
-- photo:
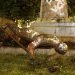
(19, 65)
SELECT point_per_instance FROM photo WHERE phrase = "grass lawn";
(19, 65)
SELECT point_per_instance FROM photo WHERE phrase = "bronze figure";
(35, 40)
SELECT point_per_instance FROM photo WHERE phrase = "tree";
(71, 7)
(20, 9)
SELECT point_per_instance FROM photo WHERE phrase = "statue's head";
(61, 48)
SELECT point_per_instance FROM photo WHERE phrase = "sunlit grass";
(19, 65)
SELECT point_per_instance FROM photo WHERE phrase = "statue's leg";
(31, 49)
(32, 46)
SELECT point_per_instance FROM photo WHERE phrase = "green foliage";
(20, 9)
(71, 7)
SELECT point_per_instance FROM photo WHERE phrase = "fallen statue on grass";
(36, 40)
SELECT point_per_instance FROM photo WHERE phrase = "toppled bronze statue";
(35, 40)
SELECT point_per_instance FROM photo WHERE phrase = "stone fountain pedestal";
(65, 30)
